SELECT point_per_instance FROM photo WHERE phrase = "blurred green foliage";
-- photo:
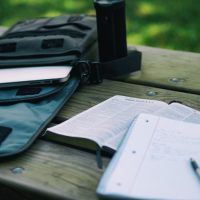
(170, 24)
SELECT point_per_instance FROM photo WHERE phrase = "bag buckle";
(89, 72)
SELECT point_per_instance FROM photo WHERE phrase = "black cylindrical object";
(111, 26)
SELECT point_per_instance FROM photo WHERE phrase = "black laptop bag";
(62, 40)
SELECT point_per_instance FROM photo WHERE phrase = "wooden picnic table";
(50, 170)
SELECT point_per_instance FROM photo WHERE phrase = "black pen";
(195, 167)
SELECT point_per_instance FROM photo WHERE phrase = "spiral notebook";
(153, 162)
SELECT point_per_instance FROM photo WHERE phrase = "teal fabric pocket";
(27, 119)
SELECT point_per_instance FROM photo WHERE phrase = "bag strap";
(94, 72)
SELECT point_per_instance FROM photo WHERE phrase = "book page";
(180, 112)
(153, 161)
(107, 122)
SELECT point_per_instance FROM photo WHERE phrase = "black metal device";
(111, 27)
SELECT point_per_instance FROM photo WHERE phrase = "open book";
(106, 123)
(153, 162)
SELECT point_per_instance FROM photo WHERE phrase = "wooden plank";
(50, 171)
(91, 95)
(176, 70)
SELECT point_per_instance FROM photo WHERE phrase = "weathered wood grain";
(50, 171)
(91, 95)
(176, 70)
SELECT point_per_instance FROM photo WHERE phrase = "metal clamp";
(89, 72)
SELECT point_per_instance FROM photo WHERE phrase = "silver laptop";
(26, 76)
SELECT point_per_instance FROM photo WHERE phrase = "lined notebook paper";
(153, 161)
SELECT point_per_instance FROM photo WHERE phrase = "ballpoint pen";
(195, 167)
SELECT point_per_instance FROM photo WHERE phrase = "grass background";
(172, 24)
